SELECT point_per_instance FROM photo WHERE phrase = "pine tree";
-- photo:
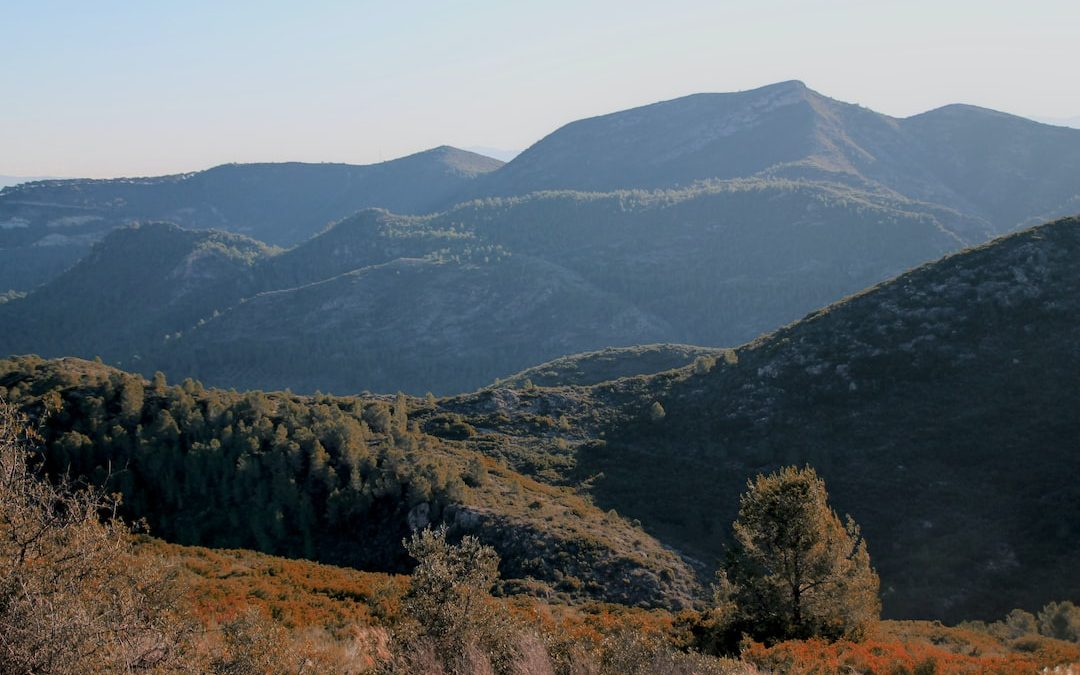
(796, 571)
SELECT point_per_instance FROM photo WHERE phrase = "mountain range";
(867, 295)
(281, 204)
(1001, 170)
(447, 303)
(706, 220)
(998, 169)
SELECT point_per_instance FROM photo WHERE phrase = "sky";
(107, 88)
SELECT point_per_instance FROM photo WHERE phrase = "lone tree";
(795, 570)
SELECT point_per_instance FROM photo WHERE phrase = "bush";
(1060, 620)
(455, 625)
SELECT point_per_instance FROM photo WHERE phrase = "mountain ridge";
(628, 267)
(785, 130)
(48, 225)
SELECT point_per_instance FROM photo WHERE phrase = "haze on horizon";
(113, 88)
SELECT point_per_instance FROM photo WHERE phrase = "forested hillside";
(340, 480)
(137, 289)
(449, 302)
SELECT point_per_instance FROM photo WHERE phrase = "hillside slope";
(940, 407)
(138, 287)
(588, 368)
(414, 325)
(333, 479)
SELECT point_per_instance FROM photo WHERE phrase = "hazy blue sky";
(130, 88)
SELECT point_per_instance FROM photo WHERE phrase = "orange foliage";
(913, 647)
(589, 623)
(295, 593)
(300, 595)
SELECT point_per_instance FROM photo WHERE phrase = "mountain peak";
(966, 109)
(462, 161)
(670, 143)
(786, 85)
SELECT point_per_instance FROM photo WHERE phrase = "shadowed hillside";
(940, 407)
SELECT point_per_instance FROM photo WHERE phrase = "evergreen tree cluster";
(314, 477)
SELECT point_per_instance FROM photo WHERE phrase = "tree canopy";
(795, 570)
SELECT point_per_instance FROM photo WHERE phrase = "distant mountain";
(1073, 122)
(447, 303)
(1006, 169)
(997, 168)
(281, 204)
(7, 181)
(136, 288)
(754, 209)
(420, 324)
(941, 408)
(998, 171)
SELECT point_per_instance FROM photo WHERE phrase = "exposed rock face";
(419, 516)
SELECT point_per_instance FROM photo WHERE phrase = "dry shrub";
(252, 643)
(532, 656)
(73, 598)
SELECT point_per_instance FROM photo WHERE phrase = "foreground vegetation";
(82, 593)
